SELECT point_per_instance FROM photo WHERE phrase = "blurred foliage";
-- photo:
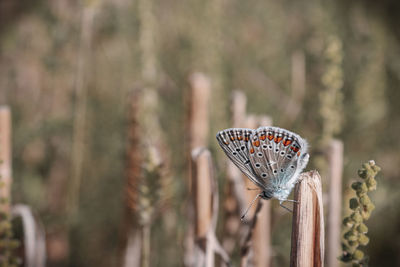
(8, 244)
(239, 44)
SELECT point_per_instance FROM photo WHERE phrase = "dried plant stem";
(198, 128)
(308, 223)
(335, 202)
(145, 258)
(79, 130)
(5, 157)
(245, 249)
(206, 210)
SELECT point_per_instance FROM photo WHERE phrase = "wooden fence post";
(206, 210)
(335, 159)
(261, 234)
(5, 156)
(308, 223)
(198, 128)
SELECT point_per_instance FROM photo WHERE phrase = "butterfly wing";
(276, 156)
(235, 142)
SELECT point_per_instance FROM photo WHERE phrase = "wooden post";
(5, 156)
(203, 184)
(262, 231)
(199, 110)
(335, 159)
(261, 235)
(308, 223)
(198, 129)
(234, 193)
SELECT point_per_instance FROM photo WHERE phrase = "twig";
(244, 251)
(308, 223)
(206, 207)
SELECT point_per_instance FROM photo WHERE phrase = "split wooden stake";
(308, 223)
(206, 210)
(5, 156)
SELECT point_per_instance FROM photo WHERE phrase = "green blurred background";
(351, 51)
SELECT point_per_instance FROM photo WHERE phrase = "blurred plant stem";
(8, 244)
(81, 92)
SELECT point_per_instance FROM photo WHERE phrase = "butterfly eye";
(270, 147)
(237, 149)
(291, 166)
(282, 153)
(234, 153)
(263, 175)
(243, 147)
(264, 146)
(275, 171)
(260, 154)
(258, 165)
(289, 156)
(281, 170)
(277, 149)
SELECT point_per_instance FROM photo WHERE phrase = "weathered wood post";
(308, 223)
(5, 157)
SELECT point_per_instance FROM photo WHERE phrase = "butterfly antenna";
(286, 208)
(251, 189)
(248, 208)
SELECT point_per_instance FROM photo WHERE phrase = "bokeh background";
(68, 70)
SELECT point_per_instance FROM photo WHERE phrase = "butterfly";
(271, 157)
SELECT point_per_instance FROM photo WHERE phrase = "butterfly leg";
(248, 208)
(286, 208)
(292, 200)
(250, 189)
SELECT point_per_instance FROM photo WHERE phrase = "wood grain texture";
(5, 156)
(308, 223)
(335, 160)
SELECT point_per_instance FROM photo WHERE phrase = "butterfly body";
(271, 157)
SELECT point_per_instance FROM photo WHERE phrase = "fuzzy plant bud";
(356, 216)
(353, 244)
(371, 183)
(358, 255)
(354, 203)
(362, 173)
(365, 200)
(370, 207)
(351, 235)
(349, 222)
(362, 228)
(363, 239)
(365, 215)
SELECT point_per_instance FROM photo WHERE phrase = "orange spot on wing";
(278, 139)
(295, 149)
(270, 137)
(262, 137)
(251, 150)
(240, 137)
(246, 138)
(298, 153)
(256, 143)
(232, 138)
(287, 142)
